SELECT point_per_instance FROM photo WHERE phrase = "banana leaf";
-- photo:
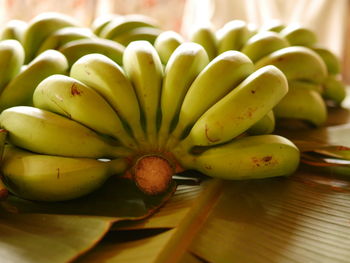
(59, 232)
(301, 218)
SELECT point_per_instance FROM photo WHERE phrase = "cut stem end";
(153, 174)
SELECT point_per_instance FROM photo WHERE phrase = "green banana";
(45, 132)
(249, 157)
(273, 25)
(81, 47)
(302, 102)
(126, 23)
(101, 22)
(331, 60)
(3, 188)
(11, 60)
(20, 90)
(205, 36)
(145, 70)
(109, 80)
(217, 79)
(265, 125)
(140, 33)
(334, 89)
(53, 178)
(240, 109)
(187, 61)
(299, 36)
(262, 44)
(232, 36)
(71, 98)
(297, 63)
(13, 29)
(63, 36)
(41, 27)
(166, 43)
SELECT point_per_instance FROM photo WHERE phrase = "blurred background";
(330, 19)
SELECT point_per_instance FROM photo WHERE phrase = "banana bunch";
(124, 29)
(146, 121)
(313, 72)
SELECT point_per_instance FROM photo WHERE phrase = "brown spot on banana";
(74, 90)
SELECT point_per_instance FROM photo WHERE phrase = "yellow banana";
(331, 60)
(45, 132)
(63, 36)
(13, 29)
(334, 89)
(81, 47)
(205, 36)
(240, 109)
(265, 125)
(41, 27)
(123, 24)
(262, 44)
(20, 90)
(297, 63)
(299, 36)
(302, 102)
(145, 70)
(109, 80)
(217, 79)
(249, 157)
(53, 178)
(11, 60)
(232, 36)
(166, 43)
(140, 33)
(71, 98)
(184, 65)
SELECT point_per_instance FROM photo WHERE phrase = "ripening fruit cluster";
(80, 105)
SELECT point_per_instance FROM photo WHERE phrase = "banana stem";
(152, 174)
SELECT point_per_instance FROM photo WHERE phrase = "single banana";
(334, 89)
(205, 36)
(11, 60)
(126, 23)
(265, 125)
(166, 43)
(20, 90)
(249, 157)
(303, 102)
(145, 70)
(45, 132)
(41, 27)
(73, 99)
(63, 36)
(3, 188)
(53, 178)
(217, 79)
(240, 109)
(299, 36)
(232, 36)
(101, 21)
(140, 33)
(274, 25)
(81, 47)
(331, 60)
(109, 80)
(187, 61)
(262, 44)
(13, 29)
(297, 63)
